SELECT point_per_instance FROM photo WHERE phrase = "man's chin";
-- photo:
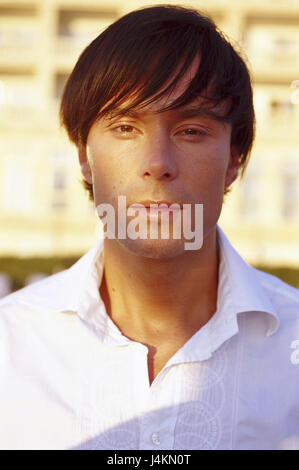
(155, 249)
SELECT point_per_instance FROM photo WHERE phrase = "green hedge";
(20, 268)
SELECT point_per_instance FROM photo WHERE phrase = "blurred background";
(46, 219)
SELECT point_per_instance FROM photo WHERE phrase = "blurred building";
(43, 208)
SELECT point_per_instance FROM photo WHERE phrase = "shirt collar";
(240, 289)
(77, 289)
(69, 289)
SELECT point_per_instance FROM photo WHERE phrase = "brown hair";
(136, 55)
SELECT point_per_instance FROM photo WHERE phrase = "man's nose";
(158, 159)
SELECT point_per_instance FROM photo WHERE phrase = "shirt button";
(156, 438)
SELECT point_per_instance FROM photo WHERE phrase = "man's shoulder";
(274, 284)
(35, 295)
(56, 293)
(36, 320)
(284, 297)
(257, 290)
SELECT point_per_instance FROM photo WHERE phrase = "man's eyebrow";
(186, 113)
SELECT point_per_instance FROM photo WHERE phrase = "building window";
(272, 43)
(250, 197)
(17, 89)
(59, 194)
(19, 29)
(18, 179)
(290, 195)
(59, 180)
(282, 109)
(59, 206)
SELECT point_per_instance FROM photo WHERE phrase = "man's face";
(171, 156)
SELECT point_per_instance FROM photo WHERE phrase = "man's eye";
(192, 131)
(124, 129)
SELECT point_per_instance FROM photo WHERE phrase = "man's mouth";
(156, 208)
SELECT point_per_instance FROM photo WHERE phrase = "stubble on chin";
(155, 249)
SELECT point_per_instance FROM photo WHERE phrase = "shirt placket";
(157, 421)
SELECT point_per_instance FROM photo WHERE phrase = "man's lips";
(157, 208)
(158, 205)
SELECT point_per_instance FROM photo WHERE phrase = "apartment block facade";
(44, 209)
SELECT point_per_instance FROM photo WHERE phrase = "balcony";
(273, 50)
(277, 113)
(19, 35)
(21, 106)
(76, 29)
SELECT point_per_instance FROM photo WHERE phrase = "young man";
(143, 343)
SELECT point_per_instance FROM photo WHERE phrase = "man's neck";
(160, 302)
(159, 293)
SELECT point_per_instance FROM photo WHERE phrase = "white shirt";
(69, 379)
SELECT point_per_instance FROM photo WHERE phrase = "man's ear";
(233, 167)
(84, 164)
